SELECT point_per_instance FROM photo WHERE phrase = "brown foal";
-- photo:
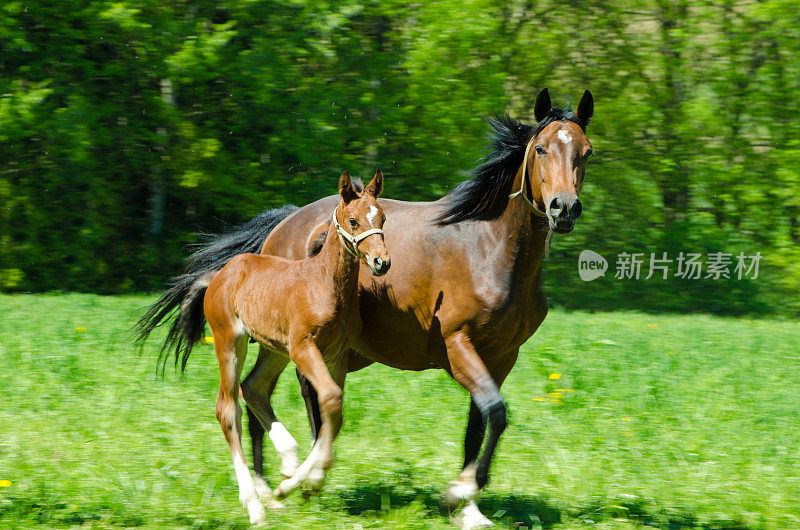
(305, 310)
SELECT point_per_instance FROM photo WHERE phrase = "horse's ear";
(346, 188)
(542, 107)
(585, 108)
(375, 187)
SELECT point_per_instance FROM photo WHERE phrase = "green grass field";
(667, 421)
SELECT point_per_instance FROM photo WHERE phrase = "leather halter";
(521, 191)
(532, 207)
(344, 235)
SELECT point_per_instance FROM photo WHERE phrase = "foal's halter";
(344, 235)
(532, 207)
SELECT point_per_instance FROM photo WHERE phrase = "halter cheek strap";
(521, 191)
(531, 206)
(353, 241)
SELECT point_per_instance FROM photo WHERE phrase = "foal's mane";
(485, 196)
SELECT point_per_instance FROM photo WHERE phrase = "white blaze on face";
(564, 136)
(373, 211)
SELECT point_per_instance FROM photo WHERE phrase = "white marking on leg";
(302, 473)
(373, 211)
(264, 493)
(464, 488)
(470, 517)
(247, 490)
(564, 136)
(286, 446)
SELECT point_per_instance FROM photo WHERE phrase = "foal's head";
(557, 160)
(360, 216)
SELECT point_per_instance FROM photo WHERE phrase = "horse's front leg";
(486, 406)
(328, 385)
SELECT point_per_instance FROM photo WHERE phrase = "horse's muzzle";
(563, 211)
(379, 266)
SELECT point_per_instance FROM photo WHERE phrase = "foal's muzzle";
(379, 266)
(563, 211)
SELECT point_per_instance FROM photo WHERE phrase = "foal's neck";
(341, 267)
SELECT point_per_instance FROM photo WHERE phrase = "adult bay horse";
(465, 290)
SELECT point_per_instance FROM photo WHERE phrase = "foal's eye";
(353, 222)
(540, 150)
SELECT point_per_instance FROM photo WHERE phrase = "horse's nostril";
(556, 205)
(576, 209)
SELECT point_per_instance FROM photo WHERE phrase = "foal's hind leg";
(328, 385)
(257, 389)
(231, 352)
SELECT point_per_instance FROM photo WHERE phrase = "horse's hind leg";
(328, 385)
(231, 351)
(257, 389)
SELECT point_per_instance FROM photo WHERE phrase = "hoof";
(284, 489)
(458, 492)
(265, 494)
(258, 515)
(470, 517)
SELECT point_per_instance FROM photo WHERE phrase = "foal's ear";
(585, 108)
(542, 106)
(346, 188)
(375, 187)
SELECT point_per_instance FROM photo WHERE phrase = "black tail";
(185, 292)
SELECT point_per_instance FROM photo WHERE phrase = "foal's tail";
(185, 293)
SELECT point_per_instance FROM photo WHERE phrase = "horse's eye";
(540, 150)
(589, 153)
(353, 222)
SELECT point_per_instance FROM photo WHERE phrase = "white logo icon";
(591, 265)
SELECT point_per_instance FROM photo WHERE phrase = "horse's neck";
(524, 236)
(341, 267)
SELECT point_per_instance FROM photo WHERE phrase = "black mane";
(485, 196)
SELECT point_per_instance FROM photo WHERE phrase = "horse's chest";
(508, 324)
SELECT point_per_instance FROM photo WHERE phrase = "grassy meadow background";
(617, 420)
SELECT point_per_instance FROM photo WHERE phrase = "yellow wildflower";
(554, 376)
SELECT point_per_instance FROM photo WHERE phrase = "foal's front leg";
(328, 385)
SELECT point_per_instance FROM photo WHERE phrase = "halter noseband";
(344, 235)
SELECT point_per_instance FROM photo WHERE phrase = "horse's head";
(360, 219)
(557, 160)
